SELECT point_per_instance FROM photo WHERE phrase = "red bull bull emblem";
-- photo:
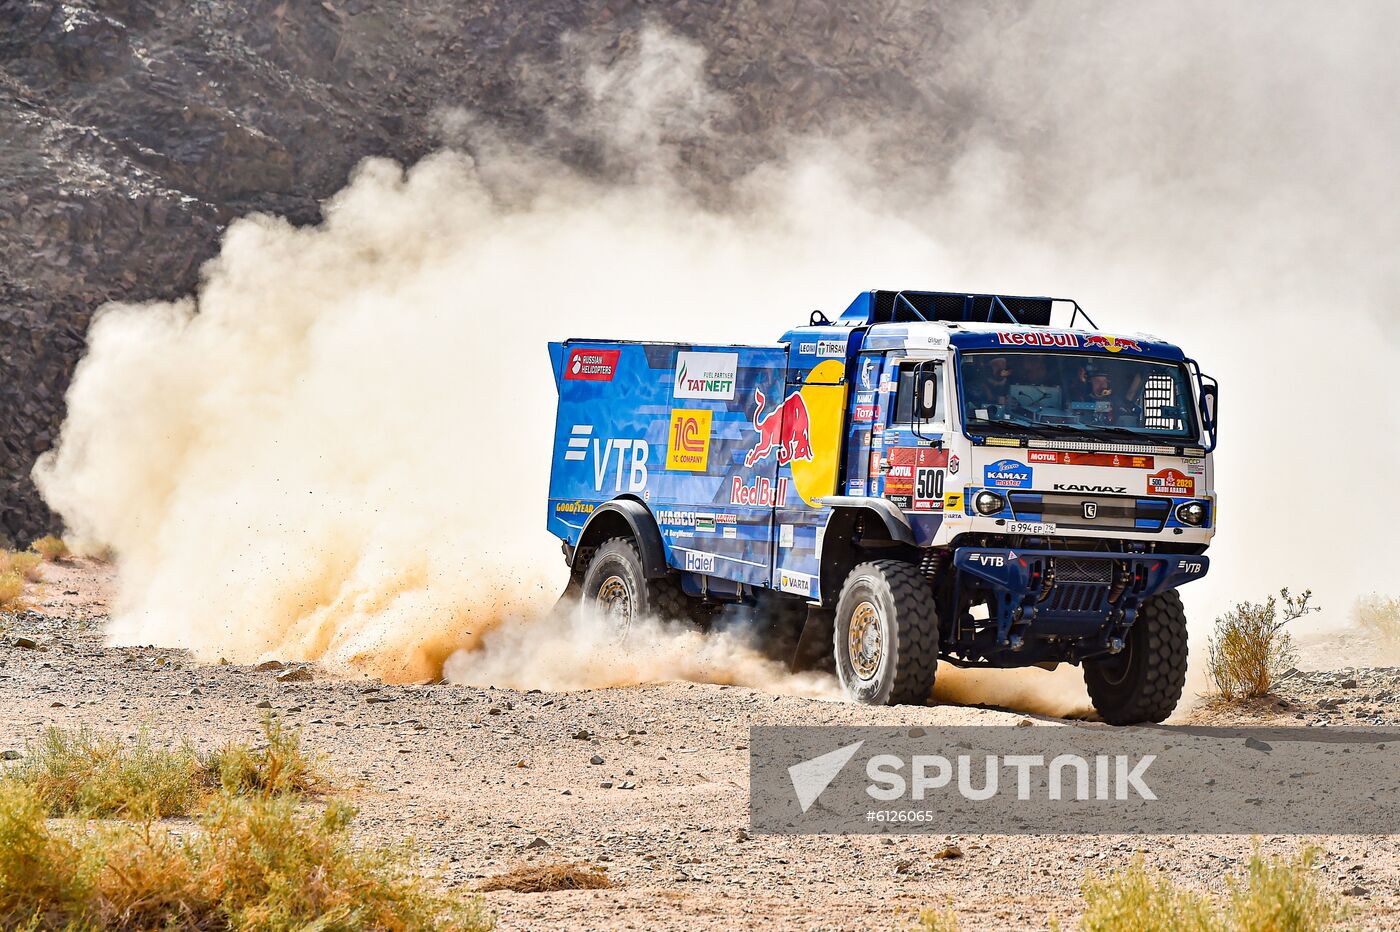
(1112, 344)
(786, 430)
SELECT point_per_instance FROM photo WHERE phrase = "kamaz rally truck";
(930, 476)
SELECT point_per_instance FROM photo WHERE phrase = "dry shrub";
(1275, 895)
(280, 766)
(11, 592)
(50, 548)
(938, 920)
(25, 565)
(548, 878)
(256, 863)
(1250, 648)
(79, 773)
(1380, 616)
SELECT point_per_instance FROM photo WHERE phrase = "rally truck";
(985, 480)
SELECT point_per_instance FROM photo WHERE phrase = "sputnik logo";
(811, 777)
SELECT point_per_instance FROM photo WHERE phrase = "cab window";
(906, 391)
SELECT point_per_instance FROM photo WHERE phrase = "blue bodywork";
(741, 455)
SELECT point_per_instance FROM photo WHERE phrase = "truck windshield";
(1043, 393)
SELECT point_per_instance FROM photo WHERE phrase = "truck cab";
(984, 480)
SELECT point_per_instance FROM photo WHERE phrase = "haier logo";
(631, 456)
(706, 375)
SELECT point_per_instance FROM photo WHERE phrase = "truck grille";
(1109, 512)
(1081, 570)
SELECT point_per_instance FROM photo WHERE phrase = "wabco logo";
(705, 375)
(1059, 487)
(632, 456)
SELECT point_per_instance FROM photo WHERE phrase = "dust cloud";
(338, 449)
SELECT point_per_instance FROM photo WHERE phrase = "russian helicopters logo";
(591, 365)
(706, 375)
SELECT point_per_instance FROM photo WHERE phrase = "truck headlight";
(988, 503)
(1192, 513)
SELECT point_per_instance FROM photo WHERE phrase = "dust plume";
(338, 449)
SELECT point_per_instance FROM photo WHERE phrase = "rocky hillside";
(132, 131)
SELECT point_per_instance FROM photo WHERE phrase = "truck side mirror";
(926, 404)
(1209, 394)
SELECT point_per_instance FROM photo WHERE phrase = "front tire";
(617, 590)
(1143, 682)
(885, 634)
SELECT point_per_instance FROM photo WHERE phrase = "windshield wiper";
(1038, 430)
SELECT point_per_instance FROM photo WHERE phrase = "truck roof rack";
(883, 307)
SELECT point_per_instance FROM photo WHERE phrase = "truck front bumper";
(1084, 600)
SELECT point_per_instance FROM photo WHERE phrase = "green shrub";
(1250, 648)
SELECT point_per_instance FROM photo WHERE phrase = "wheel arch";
(856, 527)
(622, 517)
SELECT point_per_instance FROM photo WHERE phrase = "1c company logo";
(689, 445)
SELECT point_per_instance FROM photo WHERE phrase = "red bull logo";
(786, 430)
(1112, 344)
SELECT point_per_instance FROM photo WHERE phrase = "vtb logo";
(688, 447)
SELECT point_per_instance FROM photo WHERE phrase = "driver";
(991, 381)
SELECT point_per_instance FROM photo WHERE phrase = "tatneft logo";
(706, 375)
(979, 777)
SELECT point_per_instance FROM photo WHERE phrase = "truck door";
(808, 471)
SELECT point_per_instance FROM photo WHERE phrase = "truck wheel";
(886, 634)
(1143, 681)
(615, 587)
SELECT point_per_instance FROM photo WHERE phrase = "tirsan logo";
(1061, 487)
(786, 430)
(632, 456)
(1112, 344)
(689, 445)
(705, 375)
(591, 365)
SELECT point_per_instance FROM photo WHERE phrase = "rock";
(903, 865)
(741, 836)
(606, 784)
(1257, 745)
(267, 665)
(25, 643)
(10, 754)
(265, 704)
(299, 675)
(627, 785)
(583, 734)
(596, 759)
(536, 844)
(1347, 683)
(948, 853)
(1356, 890)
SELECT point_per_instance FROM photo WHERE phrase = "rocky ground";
(649, 782)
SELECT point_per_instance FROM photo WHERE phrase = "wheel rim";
(866, 640)
(617, 603)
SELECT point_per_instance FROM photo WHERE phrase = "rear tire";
(616, 588)
(885, 634)
(1143, 682)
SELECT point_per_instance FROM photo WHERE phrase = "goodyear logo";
(689, 445)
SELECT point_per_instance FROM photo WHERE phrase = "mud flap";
(814, 644)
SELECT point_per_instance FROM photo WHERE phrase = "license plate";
(1039, 528)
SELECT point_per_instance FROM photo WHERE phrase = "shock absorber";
(933, 563)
